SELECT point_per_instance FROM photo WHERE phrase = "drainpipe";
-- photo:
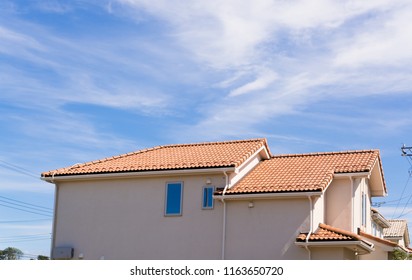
(353, 203)
(310, 226)
(224, 215)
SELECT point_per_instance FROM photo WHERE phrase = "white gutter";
(353, 174)
(224, 214)
(53, 240)
(111, 175)
(362, 244)
(266, 195)
(310, 226)
(352, 182)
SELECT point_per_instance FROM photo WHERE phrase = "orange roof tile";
(329, 233)
(303, 172)
(170, 157)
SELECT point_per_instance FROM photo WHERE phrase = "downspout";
(310, 226)
(53, 240)
(224, 215)
(353, 203)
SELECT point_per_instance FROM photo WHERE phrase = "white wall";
(268, 230)
(338, 204)
(124, 219)
(330, 253)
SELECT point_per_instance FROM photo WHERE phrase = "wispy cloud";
(261, 82)
(305, 49)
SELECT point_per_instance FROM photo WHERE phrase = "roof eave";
(356, 245)
(272, 195)
(135, 174)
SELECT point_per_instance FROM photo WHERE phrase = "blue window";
(207, 202)
(173, 204)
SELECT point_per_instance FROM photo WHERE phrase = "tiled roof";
(303, 172)
(397, 228)
(170, 157)
(329, 233)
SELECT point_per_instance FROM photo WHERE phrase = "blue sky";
(86, 79)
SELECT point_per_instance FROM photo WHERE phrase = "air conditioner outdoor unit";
(62, 253)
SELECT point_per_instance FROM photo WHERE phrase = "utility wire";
(27, 240)
(26, 207)
(24, 236)
(22, 202)
(24, 221)
(403, 191)
(42, 214)
(17, 169)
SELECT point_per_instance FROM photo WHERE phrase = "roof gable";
(398, 229)
(171, 157)
(304, 172)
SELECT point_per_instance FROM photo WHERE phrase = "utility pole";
(407, 152)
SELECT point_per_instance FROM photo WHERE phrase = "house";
(220, 200)
(398, 232)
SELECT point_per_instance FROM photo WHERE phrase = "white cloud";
(386, 41)
(306, 48)
(261, 82)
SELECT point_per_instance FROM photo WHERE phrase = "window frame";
(364, 206)
(205, 197)
(167, 209)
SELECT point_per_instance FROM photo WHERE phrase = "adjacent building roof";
(171, 157)
(398, 229)
(379, 219)
(304, 172)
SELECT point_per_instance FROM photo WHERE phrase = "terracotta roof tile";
(170, 157)
(397, 228)
(329, 233)
(303, 172)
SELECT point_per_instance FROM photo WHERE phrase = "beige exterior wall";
(244, 169)
(124, 219)
(361, 186)
(268, 230)
(332, 253)
(380, 253)
(318, 211)
(338, 204)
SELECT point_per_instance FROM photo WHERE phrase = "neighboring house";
(398, 232)
(220, 200)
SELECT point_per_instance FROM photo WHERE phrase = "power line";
(28, 207)
(42, 214)
(17, 169)
(22, 202)
(24, 236)
(403, 191)
(27, 240)
(24, 221)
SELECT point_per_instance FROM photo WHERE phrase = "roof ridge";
(212, 142)
(145, 150)
(326, 153)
